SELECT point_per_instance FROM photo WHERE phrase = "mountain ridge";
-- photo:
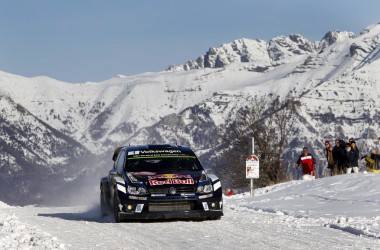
(262, 52)
(336, 80)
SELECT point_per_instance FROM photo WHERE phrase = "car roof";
(157, 146)
(154, 148)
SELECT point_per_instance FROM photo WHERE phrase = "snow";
(124, 105)
(17, 235)
(340, 212)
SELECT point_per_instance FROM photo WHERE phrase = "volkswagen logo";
(172, 190)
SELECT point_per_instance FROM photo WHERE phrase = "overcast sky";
(94, 40)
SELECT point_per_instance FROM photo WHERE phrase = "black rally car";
(159, 182)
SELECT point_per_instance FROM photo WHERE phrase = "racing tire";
(116, 209)
(215, 218)
(103, 204)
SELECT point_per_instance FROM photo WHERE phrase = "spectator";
(355, 148)
(351, 160)
(372, 160)
(330, 159)
(370, 163)
(378, 152)
(338, 156)
(229, 192)
(308, 163)
(376, 157)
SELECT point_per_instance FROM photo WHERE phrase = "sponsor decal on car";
(160, 153)
(171, 181)
(133, 152)
(171, 151)
(143, 173)
(138, 198)
(167, 179)
(170, 176)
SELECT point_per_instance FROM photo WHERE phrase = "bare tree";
(269, 122)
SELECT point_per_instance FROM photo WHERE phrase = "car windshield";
(159, 164)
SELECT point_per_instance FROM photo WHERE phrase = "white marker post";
(252, 167)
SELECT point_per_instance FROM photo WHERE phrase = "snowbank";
(349, 202)
(16, 235)
(340, 212)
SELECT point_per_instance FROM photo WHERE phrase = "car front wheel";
(116, 209)
(103, 204)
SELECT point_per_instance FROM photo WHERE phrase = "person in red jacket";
(229, 192)
(307, 161)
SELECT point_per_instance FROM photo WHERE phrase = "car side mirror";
(208, 170)
(116, 153)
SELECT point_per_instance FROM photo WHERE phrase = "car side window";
(120, 162)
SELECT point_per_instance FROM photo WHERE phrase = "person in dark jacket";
(376, 157)
(308, 163)
(351, 160)
(355, 148)
(339, 155)
(378, 153)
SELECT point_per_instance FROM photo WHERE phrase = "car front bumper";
(170, 215)
(171, 209)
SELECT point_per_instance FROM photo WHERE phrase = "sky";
(95, 40)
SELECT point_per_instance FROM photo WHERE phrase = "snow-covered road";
(249, 223)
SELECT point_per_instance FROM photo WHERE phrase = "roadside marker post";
(252, 165)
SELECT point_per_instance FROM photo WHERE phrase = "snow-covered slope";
(336, 79)
(34, 157)
(340, 212)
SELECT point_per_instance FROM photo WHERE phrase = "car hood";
(168, 178)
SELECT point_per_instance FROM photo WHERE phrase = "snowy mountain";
(34, 156)
(340, 212)
(263, 54)
(70, 130)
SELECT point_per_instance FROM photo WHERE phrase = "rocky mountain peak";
(332, 37)
(374, 27)
(282, 47)
(251, 51)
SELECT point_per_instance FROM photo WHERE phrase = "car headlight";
(136, 190)
(204, 189)
(132, 178)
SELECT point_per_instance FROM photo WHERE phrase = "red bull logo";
(171, 182)
(170, 179)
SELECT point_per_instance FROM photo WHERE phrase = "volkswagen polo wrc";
(159, 182)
